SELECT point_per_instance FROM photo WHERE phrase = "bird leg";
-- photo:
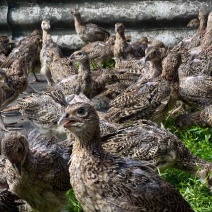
(175, 111)
(36, 78)
(2, 125)
(33, 89)
(9, 126)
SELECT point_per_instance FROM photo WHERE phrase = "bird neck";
(84, 70)
(78, 21)
(202, 25)
(84, 66)
(156, 63)
(120, 36)
(170, 75)
(45, 33)
(88, 141)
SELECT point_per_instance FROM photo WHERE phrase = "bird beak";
(17, 167)
(72, 56)
(67, 121)
(63, 119)
(146, 59)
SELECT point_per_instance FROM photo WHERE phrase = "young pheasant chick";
(36, 172)
(88, 32)
(103, 182)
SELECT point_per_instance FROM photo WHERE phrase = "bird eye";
(81, 111)
(20, 149)
(155, 53)
(79, 53)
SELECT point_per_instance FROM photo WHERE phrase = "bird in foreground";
(88, 32)
(145, 140)
(9, 202)
(104, 182)
(152, 99)
(36, 171)
(202, 118)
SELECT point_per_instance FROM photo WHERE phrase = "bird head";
(202, 14)
(153, 54)
(45, 25)
(194, 23)
(79, 56)
(14, 147)
(119, 27)
(80, 118)
(75, 12)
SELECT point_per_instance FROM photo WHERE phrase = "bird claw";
(33, 89)
(36, 80)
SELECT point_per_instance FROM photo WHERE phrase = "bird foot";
(33, 89)
(10, 113)
(10, 127)
(7, 127)
(36, 80)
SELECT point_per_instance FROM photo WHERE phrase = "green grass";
(199, 141)
(73, 206)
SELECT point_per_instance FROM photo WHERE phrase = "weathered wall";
(164, 20)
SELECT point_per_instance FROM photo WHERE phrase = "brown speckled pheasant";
(86, 82)
(13, 81)
(192, 43)
(28, 49)
(48, 51)
(145, 140)
(44, 111)
(36, 171)
(61, 68)
(104, 182)
(122, 48)
(196, 40)
(88, 32)
(100, 51)
(81, 82)
(195, 90)
(132, 78)
(207, 39)
(152, 99)
(201, 118)
(143, 68)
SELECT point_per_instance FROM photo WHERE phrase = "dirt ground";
(15, 116)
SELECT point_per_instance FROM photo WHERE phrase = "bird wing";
(133, 186)
(151, 97)
(197, 90)
(97, 32)
(54, 170)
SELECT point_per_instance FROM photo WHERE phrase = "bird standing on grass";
(103, 182)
